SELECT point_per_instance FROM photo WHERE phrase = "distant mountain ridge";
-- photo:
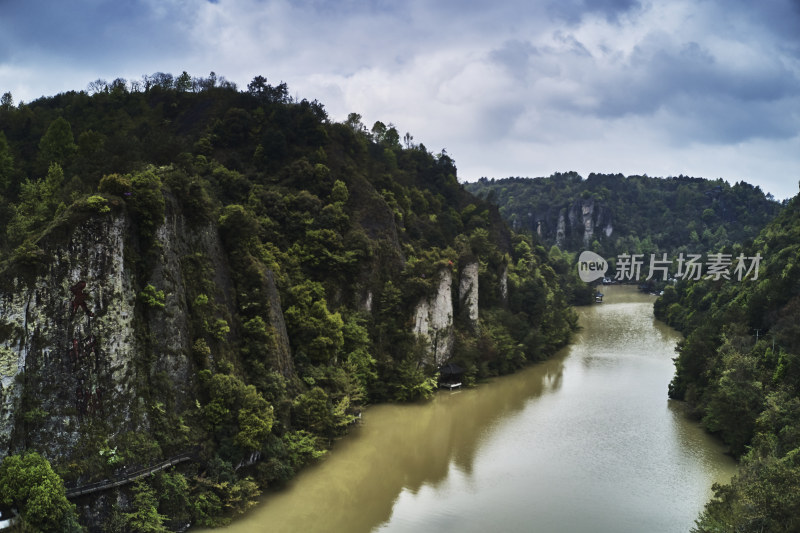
(611, 213)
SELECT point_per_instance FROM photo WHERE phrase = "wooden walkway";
(129, 477)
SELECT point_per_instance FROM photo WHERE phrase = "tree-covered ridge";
(348, 228)
(633, 214)
(739, 369)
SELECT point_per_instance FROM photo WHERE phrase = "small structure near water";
(450, 376)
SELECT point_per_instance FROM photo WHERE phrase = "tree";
(144, 517)
(255, 420)
(38, 202)
(6, 101)
(312, 411)
(339, 193)
(354, 122)
(408, 141)
(6, 163)
(184, 82)
(313, 329)
(359, 361)
(236, 411)
(258, 87)
(57, 145)
(29, 484)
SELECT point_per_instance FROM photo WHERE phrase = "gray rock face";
(576, 224)
(561, 230)
(433, 320)
(79, 349)
(468, 290)
(504, 285)
(71, 338)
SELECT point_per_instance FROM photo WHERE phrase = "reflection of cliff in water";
(398, 447)
(587, 442)
(451, 428)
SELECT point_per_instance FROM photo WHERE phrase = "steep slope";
(613, 214)
(739, 369)
(230, 276)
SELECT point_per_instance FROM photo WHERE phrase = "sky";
(705, 88)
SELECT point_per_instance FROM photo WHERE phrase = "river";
(586, 441)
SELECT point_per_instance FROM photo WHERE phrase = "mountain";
(612, 214)
(217, 279)
(739, 370)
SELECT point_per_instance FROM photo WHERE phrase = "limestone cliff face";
(69, 338)
(504, 285)
(79, 348)
(468, 291)
(572, 226)
(561, 230)
(433, 320)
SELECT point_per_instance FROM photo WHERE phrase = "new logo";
(591, 266)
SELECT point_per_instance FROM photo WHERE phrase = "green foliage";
(339, 193)
(313, 329)
(144, 516)
(738, 369)
(152, 297)
(98, 204)
(57, 144)
(312, 411)
(116, 184)
(30, 485)
(678, 213)
(359, 361)
(255, 420)
(330, 230)
(38, 203)
(6, 163)
(235, 413)
(414, 381)
(302, 447)
(174, 499)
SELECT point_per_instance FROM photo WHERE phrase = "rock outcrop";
(504, 285)
(433, 320)
(81, 345)
(573, 226)
(468, 291)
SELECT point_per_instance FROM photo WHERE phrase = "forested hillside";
(187, 268)
(739, 370)
(612, 214)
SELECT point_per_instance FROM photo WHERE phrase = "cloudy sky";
(707, 88)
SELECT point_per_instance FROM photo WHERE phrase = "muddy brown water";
(586, 441)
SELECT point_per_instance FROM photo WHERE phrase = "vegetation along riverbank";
(190, 268)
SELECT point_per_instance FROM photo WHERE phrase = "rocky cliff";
(433, 320)
(228, 278)
(93, 337)
(468, 291)
(580, 223)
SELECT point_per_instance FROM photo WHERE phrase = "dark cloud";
(538, 80)
(780, 18)
(515, 56)
(725, 120)
(574, 11)
(88, 32)
(722, 101)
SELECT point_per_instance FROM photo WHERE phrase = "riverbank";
(585, 440)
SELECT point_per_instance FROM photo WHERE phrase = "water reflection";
(399, 447)
(585, 441)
